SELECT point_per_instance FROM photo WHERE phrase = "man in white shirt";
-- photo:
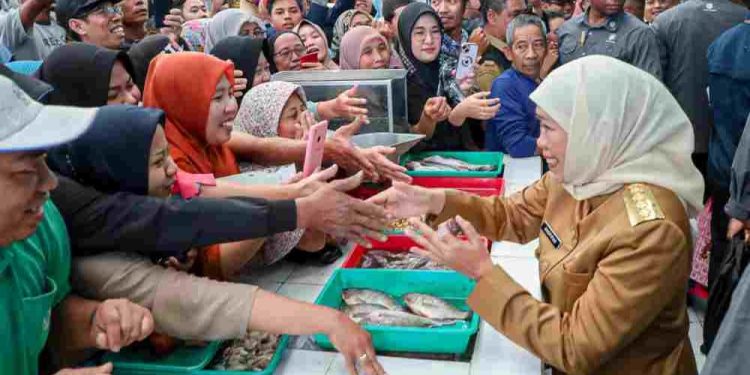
(28, 31)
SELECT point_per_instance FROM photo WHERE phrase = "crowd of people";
(121, 126)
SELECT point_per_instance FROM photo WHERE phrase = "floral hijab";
(342, 25)
(259, 115)
(194, 34)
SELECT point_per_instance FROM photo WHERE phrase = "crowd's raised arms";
(157, 156)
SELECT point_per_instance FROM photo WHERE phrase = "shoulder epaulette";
(641, 204)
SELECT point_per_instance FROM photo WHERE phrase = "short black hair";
(496, 6)
(390, 6)
(550, 14)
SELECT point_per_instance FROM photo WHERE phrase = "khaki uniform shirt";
(614, 271)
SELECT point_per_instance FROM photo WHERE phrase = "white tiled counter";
(493, 352)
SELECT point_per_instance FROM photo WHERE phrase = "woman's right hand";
(355, 344)
(436, 109)
(404, 200)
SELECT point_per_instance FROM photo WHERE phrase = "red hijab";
(182, 85)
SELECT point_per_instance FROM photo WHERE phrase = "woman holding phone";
(315, 41)
(438, 105)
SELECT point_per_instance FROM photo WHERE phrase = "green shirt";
(33, 279)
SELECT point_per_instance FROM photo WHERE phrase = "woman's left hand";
(240, 83)
(469, 257)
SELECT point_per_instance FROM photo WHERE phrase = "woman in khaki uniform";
(612, 222)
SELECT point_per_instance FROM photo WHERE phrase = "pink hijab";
(352, 43)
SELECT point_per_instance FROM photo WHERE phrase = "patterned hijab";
(351, 45)
(182, 85)
(259, 115)
(342, 25)
(194, 33)
(328, 63)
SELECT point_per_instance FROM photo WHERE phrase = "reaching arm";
(597, 326)
(99, 222)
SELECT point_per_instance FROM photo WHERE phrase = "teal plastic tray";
(480, 157)
(137, 360)
(184, 360)
(450, 286)
(268, 371)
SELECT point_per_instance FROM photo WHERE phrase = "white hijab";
(623, 127)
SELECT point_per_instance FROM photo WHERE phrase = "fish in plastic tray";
(371, 307)
(441, 163)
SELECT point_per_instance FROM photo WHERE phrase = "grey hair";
(524, 20)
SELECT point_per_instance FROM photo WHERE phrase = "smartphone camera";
(467, 60)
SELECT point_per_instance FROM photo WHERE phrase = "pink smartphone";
(316, 139)
(309, 58)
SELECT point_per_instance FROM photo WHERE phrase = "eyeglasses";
(420, 36)
(286, 54)
(108, 10)
(256, 33)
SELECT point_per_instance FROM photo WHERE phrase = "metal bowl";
(400, 141)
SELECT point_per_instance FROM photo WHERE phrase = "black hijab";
(272, 48)
(112, 156)
(143, 52)
(428, 74)
(33, 87)
(80, 74)
(244, 52)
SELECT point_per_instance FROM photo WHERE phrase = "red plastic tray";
(396, 244)
(480, 186)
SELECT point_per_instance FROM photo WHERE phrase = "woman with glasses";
(93, 22)
(287, 49)
(437, 106)
(232, 22)
(315, 41)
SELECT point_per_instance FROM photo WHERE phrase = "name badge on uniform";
(551, 235)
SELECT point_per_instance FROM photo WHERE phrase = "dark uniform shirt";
(623, 37)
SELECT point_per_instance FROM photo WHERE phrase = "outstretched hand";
(469, 257)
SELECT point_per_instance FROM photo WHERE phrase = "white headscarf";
(623, 127)
(226, 23)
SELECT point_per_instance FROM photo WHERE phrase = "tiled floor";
(696, 335)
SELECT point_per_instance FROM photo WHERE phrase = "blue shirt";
(729, 88)
(515, 128)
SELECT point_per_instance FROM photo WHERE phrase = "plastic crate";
(275, 361)
(481, 157)
(138, 360)
(484, 187)
(395, 243)
(450, 286)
